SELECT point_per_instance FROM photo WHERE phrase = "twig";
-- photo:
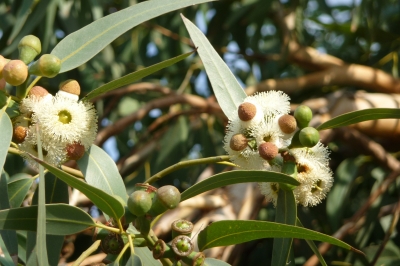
(87, 252)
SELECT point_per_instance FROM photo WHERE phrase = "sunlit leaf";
(146, 256)
(18, 187)
(6, 131)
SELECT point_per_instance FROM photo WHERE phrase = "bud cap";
(29, 47)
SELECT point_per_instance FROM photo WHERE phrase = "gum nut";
(38, 91)
(238, 142)
(75, 151)
(287, 124)
(139, 203)
(268, 150)
(169, 196)
(15, 72)
(303, 115)
(247, 111)
(309, 137)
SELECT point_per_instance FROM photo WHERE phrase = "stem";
(72, 171)
(14, 151)
(87, 253)
(131, 244)
(112, 229)
(184, 164)
(121, 253)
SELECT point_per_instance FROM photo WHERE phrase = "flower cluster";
(262, 131)
(66, 127)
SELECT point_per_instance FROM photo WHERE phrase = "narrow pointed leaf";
(125, 80)
(6, 260)
(360, 116)
(227, 89)
(286, 213)
(225, 233)
(6, 131)
(18, 188)
(80, 46)
(105, 202)
(61, 219)
(235, 177)
(101, 172)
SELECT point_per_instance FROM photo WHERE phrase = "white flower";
(270, 190)
(272, 102)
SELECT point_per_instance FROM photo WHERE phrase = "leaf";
(6, 260)
(146, 256)
(125, 80)
(101, 172)
(6, 131)
(286, 213)
(107, 203)
(18, 187)
(227, 89)
(23, 13)
(61, 219)
(360, 116)
(215, 262)
(225, 233)
(235, 177)
(80, 46)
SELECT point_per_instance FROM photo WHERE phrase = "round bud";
(15, 72)
(247, 111)
(75, 151)
(268, 150)
(48, 66)
(19, 134)
(112, 244)
(287, 124)
(309, 137)
(3, 62)
(182, 246)
(29, 47)
(139, 203)
(38, 91)
(303, 115)
(70, 86)
(167, 197)
(238, 142)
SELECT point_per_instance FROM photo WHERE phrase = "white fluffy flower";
(270, 191)
(272, 102)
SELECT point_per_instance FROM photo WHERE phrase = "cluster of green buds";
(181, 246)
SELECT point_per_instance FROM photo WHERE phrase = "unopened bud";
(238, 142)
(167, 197)
(247, 111)
(47, 65)
(15, 72)
(29, 47)
(303, 115)
(287, 124)
(19, 134)
(75, 151)
(3, 62)
(309, 137)
(139, 203)
(268, 151)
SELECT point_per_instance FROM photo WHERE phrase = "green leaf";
(105, 202)
(225, 233)
(61, 219)
(101, 172)
(146, 256)
(235, 177)
(286, 213)
(18, 187)
(227, 89)
(125, 80)
(6, 260)
(80, 46)
(6, 131)
(22, 15)
(360, 116)
(215, 262)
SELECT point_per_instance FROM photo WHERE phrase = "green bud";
(29, 47)
(182, 246)
(309, 137)
(295, 141)
(3, 62)
(167, 197)
(303, 115)
(139, 203)
(15, 72)
(48, 66)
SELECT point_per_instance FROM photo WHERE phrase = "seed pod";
(194, 259)
(162, 250)
(47, 65)
(19, 134)
(181, 227)
(75, 151)
(238, 142)
(268, 151)
(29, 47)
(3, 62)
(309, 137)
(15, 72)
(182, 246)
(112, 244)
(139, 203)
(287, 123)
(303, 115)
(167, 197)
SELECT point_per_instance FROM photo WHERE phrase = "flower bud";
(3, 62)
(48, 66)
(75, 151)
(38, 91)
(182, 246)
(287, 124)
(247, 111)
(167, 197)
(29, 47)
(181, 227)
(268, 151)
(15, 72)
(139, 203)
(112, 244)
(303, 115)
(309, 137)
(70, 88)
(238, 142)
(19, 134)
(194, 259)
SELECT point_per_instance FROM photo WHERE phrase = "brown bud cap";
(70, 86)
(238, 142)
(75, 151)
(247, 111)
(3, 62)
(287, 124)
(38, 92)
(268, 150)
(19, 134)
(15, 72)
